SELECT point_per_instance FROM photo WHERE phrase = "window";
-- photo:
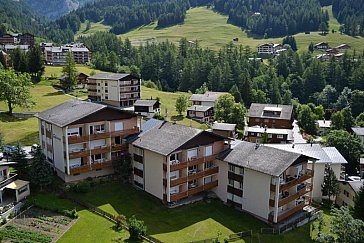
(280, 136)
(208, 150)
(106, 84)
(98, 84)
(232, 168)
(207, 180)
(138, 151)
(231, 182)
(73, 131)
(106, 91)
(258, 134)
(98, 157)
(106, 97)
(269, 135)
(346, 193)
(119, 126)
(241, 171)
(174, 157)
(208, 165)
(23, 189)
(192, 154)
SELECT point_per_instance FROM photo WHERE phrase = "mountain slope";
(53, 9)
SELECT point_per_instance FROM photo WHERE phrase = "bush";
(120, 221)
(70, 213)
(158, 116)
(150, 84)
(81, 187)
(3, 222)
(136, 228)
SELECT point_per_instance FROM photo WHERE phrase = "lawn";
(56, 71)
(88, 228)
(192, 222)
(211, 30)
(168, 101)
(95, 27)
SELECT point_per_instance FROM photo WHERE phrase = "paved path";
(297, 137)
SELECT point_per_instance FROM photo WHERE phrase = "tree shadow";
(59, 92)
(6, 117)
(177, 118)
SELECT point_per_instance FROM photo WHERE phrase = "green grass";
(56, 71)
(212, 30)
(95, 27)
(191, 222)
(168, 101)
(88, 228)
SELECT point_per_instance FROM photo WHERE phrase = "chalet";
(332, 51)
(348, 191)
(201, 113)
(17, 39)
(224, 129)
(274, 135)
(321, 46)
(343, 47)
(81, 80)
(207, 99)
(82, 139)
(147, 108)
(9, 48)
(271, 116)
(323, 126)
(359, 131)
(116, 89)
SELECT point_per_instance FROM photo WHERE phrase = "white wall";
(153, 173)
(318, 179)
(256, 192)
(221, 189)
(58, 148)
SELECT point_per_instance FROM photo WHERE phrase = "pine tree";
(70, 71)
(330, 186)
(358, 210)
(35, 62)
(21, 165)
(41, 173)
(235, 92)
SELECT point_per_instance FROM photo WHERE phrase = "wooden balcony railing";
(292, 197)
(118, 147)
(193, 191)
(307, 175)
(101, 135)
(100, 150)
(195, 176)
(287, 213)
(192, 162)
(91, 167)
(79, 154)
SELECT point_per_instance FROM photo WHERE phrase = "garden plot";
(36, 225)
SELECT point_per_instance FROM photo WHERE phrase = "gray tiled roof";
(358, 131)
(166, 137)
(208, 96)
(356, 185)
(68, 112)
(223, 126)
(145, 102)
(263, 159)
(201, 108)
(334, 155)
(109, 76)
(256, 110)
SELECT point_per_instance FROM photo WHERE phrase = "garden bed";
(36, 225)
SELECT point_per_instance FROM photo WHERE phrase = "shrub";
(3, 222)
(150, 84)
(136, 228)
(82, 187)
(158, 116)
(120, 221)
(70, 213)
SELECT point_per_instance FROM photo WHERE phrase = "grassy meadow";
(95, 27)
(54, 72)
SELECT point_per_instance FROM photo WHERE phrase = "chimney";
(166, 117)
(293, 145)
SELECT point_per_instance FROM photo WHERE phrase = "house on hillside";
(81, 80)
(359, 131)
(325, 157)
(201, 113)
(321, 46)
(56, 56)
(255, 134)
(207, 99)
(348, 192)
(268, 49)
(270, 116)
(147, 108)
(82, 139)
(17, 39)
(116, 89)
(343, 47)
(224, 129)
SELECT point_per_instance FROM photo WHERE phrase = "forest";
(187, 66)
(350, 14)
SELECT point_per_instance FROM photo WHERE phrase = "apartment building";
(348, 192)
(269, 48)
(56, 56)
(272, 184)
(174, 162)
(116, 89)
(17, 39)
(201, 113)
(271, 116)
(325, 157)
(82, 139)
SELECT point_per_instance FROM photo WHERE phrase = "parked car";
(1, 155)
(8, 149)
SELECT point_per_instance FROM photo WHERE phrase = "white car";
(1, 155)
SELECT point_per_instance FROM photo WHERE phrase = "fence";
(268, 231)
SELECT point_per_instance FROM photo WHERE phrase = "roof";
(166, 137)
(66, 75)
(68, 112)
(263, 159)
(327, 155)
(257, 110)
(208, 96)
(342, 45)
(324, 123)
(146, 126)
(358, 131)
(15, 185)
(258, 129)
(321, 43)
(109, 76)
(201, 108)
(223, 126)
(145, 102)
(356, 185)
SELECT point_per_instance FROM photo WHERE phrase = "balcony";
(289, 212)
(8, 179)
(100, 150)
(194, 176)
(79, 153)
(119, 147)
(293, 181)
(77, 139)
(125, 132)
(193, 191)
(284, 200)
(101, 135)
(91, 167)
(191, 162)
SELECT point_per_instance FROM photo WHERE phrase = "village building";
(17, 39)
(81, 139)
(147, 108)
(207, 99)
(81, 79)
(343, 47)
(256, 134)
(56, 56)
(323, 126)
(268, 49)
(224, 129)
(201, 113)
(321, 46)
(116, 89)
(348, 191)
(359, 131)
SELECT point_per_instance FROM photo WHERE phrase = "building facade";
(147, 108)
(82, 139)
(201, 113)
(273, 135)
(271, 116)
(116, 89)
(56, 56)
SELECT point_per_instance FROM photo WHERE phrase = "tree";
(323, 28)
(344, 99)
(203, 89)
(15, 89)
(358, 210)
(123, 167)
(306, 120)
(237, 115)
(88, 25)
(357, 102)
(349, 121)
(348, 145)
(136, 228)
(360, 120)
(35, 62)
(223, 107)
(181, 104)
(311, 47)
(319, 112)
(70, 71)
(345, 227)
(41, 173)
(337, 121)
(290, 40)
(330, 186)
(21, 165)
(234, 91)
(358, 77)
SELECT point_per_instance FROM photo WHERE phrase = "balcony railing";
(101, 135)
(290, 198)
(90, 167)
(118, 147)
(288, 184)
(8, 179)
(195, 176)
(193, 191)
(192, 162)
(79, 154)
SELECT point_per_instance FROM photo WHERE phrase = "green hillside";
(212, 30)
